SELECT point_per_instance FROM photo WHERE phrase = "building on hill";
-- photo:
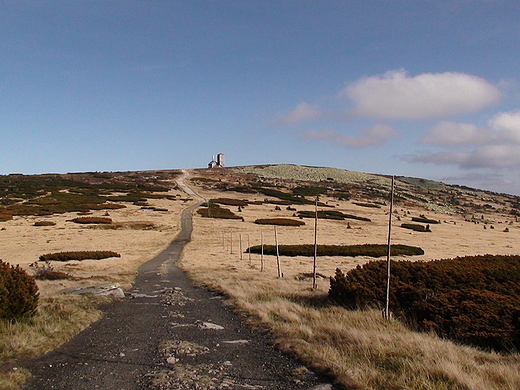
(218, 163)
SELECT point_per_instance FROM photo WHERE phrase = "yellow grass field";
(359, 349)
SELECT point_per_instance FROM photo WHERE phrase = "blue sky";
(417, 88)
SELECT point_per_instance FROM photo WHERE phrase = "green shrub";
(474, 299)
(44, 223)
(284, 197)
(371, 250)
(215, 211)
(416, 227)
(309, 191)
(372, 205)
(5, 216)
(230, 202)
(330, 214)
(279, 222)
(91, 220)
(18, 292)
(476, 317)
(423, 219)
(79, 255)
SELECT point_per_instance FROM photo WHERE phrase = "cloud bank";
(494, 146)
(372, 136)
(396, 95)
(302, 113)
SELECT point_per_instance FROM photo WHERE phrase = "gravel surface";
(168, 334)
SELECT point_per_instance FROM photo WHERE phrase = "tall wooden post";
(388, 273)
(277, 254)
(249, 249)
(240, 245)
(314, 284)
(261, 251)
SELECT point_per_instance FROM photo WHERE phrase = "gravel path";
(168, 334)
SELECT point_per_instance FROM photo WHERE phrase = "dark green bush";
(79, 255)
(279, 222)
(330, 214)
(371, 250)
(474, 299)
(91, 220)
(215, 211)
(284, 197)
(372, 205)
(18, 292)
(476, 317)
(423, 219)
(44, 223)
(416, 227)
(230, 202)
(309, 191)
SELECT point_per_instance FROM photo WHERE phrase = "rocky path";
(168, 334)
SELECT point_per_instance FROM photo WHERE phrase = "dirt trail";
(168, 334)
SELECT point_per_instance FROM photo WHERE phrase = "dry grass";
(57, 320)
(357, 348)
(138, 236)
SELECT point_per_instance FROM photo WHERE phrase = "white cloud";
(372, 136)
(395, 95)
(456, 134)
(486, 156)
(494, 156)
(303, 112)
(507, 126)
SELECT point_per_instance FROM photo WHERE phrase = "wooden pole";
(387, 304)
(249, 249)
(231, 242)
(240, 244)
(261, 251)
(280, 275)
(314, 284)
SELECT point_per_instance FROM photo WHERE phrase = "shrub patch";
(371, 250)
(279, 222)
(79, 255)
(18, 292)
(474, 299)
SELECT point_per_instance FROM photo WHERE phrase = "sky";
(423, 88)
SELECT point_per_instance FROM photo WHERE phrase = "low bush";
(215, 211)
(5, 216)
(285, 198)
(423, 219)
(279, 222)
(474, 299)
(91, 220)
(370, 250)
(44, 223)
(46, 271)
(330, 214)
(230, 202)
(79, 255)
(372, 205)
(309, 191)
(416, 227)
(18, 292)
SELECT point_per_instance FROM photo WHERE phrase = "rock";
(172, 360)
(209, 325)
(326, 386)
(235, 341)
